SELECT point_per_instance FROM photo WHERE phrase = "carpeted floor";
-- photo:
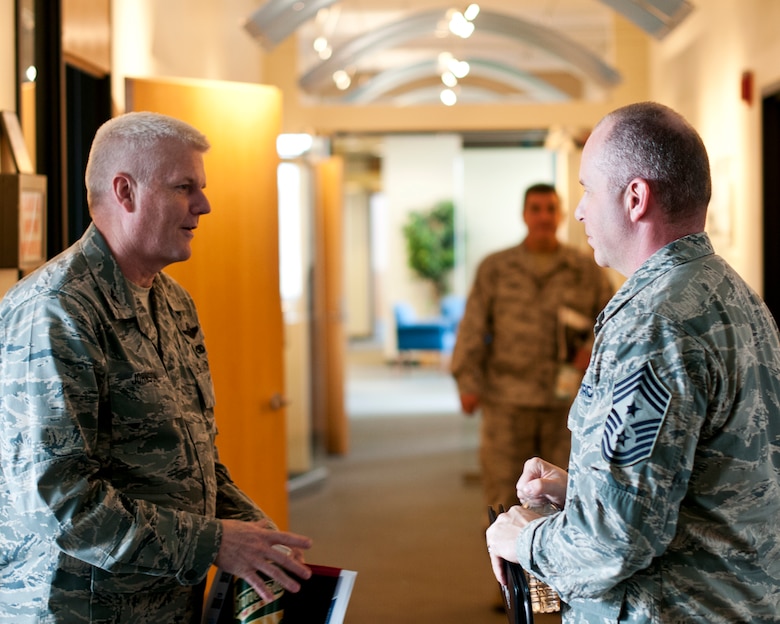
(403, 508)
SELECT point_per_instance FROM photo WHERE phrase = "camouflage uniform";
(109, 478)
(507, 353)
(673, 505)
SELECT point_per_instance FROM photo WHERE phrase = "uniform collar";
(678, 252)
(108, 276)
(562, 256)
(112, 282)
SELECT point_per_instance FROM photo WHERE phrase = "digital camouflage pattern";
(507, 353)
(109, 478)
(673, 505)
(507, 349)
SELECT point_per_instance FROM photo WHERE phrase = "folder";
(322, 599)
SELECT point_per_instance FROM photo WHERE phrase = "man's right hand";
(541, 479)
(251, 547)
(469, 402)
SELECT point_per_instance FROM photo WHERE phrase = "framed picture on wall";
(22, 221)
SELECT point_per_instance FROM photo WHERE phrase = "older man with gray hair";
(113, 502)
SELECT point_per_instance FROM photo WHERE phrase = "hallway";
(403, 508)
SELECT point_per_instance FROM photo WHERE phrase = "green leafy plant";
(430, 244)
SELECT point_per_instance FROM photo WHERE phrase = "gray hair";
(130, 143)
(650, 141)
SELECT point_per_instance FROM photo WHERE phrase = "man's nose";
(202, 204)
(579, 212)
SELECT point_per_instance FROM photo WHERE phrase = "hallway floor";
(403, 508)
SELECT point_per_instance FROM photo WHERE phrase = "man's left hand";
(502, 538)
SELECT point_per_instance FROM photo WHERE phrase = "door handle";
(277, 401)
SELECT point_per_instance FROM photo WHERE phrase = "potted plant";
(430, 244)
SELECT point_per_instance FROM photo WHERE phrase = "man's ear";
(637, 199)
(123, 187)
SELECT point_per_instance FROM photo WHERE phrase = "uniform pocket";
(138, 397)
(119, 583)
(205, 389)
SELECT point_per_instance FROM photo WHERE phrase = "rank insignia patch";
(639, 404)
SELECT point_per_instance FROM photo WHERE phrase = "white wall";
(358, 282)
(182, 39)
(487, 185)
(417, 172)
(495, 180)
(697, 70)
(295, 258)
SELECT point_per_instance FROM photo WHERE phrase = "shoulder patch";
(639, 405)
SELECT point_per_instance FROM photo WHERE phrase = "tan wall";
(7, 56)
(328, 339)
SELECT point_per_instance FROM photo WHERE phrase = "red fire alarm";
(746, 87)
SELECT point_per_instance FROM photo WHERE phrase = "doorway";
(87, 106)
(771, 200)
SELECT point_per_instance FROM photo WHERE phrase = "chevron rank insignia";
(639, 404)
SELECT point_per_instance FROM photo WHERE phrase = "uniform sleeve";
(474, 334)
(635, 428)
(233, 503)
(56, 432)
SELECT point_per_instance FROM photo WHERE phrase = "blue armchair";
(413, 334)
(452, 308)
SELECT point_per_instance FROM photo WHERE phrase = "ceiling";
(399, 51)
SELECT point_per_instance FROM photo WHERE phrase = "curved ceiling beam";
(425, 22)
(552, 42)
(656, 17)
(430, 95)
(276, 20)
(386, 81)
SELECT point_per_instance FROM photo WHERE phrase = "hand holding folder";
(517, 596)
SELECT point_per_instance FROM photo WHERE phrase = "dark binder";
(517, 596)
(322, 599)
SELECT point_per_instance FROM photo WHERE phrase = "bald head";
(655, 143)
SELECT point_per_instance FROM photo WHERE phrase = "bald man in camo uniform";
(671, 505)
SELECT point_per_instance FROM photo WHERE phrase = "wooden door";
(233, 274)
(330, 418)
